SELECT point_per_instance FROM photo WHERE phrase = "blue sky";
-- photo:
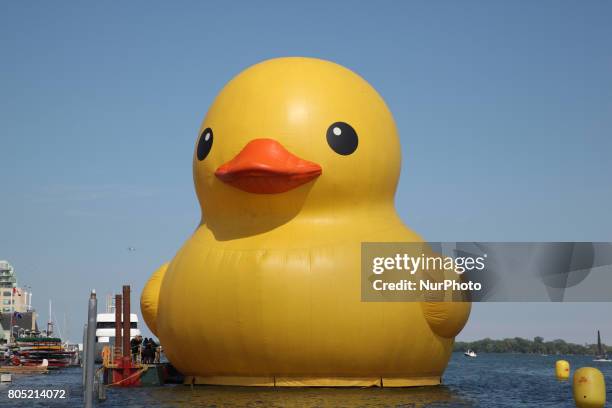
(504, 111)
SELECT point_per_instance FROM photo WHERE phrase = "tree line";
(535, 346)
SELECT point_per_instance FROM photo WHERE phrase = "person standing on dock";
(158, 351)
(144, 353)
(149, 351)
(135, 344)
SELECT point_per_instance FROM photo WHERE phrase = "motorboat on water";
(470, 353)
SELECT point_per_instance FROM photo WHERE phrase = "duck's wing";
(446, 319)
(446, 311)
(149, 299)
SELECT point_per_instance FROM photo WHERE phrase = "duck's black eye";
(205, 143)
(342, 138)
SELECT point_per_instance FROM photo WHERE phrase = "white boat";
(470, 353)
(601, 356)
(105, 331)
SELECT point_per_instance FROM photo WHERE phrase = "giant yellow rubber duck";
(296, 164)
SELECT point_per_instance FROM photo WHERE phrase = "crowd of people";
(146, 350)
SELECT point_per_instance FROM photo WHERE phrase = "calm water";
(491, 380)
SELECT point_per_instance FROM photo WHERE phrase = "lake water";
(491, 380)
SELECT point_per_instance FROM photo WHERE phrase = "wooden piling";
(127, 359)
(126, 321)
(118, 322)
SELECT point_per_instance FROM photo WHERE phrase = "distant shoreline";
(525, 346)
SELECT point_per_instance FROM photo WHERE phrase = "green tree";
(520, 345)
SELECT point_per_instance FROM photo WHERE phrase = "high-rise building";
(12, 297)
(7, 275)
(16, 311)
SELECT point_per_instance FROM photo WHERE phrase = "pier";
(119, 366)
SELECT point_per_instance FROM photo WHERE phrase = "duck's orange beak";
(264, 166)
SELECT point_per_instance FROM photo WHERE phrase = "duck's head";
(295, 135)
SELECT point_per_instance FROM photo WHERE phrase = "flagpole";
(12, 316)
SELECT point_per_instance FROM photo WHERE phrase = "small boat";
(22, 369)
(470, 353)
(601, 356)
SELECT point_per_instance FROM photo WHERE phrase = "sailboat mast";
(49, 322)
(599, 350)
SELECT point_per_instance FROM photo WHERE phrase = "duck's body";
(267, 291)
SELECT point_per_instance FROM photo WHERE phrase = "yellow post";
(562, 369)
(589, 388)
(105, 355)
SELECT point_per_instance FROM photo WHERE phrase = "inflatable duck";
(296, 164)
